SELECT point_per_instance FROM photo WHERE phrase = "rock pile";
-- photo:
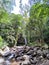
(25, 55)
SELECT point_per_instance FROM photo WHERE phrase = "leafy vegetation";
(34, 27)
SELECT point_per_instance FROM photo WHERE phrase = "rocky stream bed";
(25, 55)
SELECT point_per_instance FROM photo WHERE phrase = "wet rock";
(26, 61)
(46, 51)
(11, 56)
(47, 56)
(40, 57)
(25, 55)
(39, 52)
(7, 62)
(15, 63)
(5, 51)
(46, 62)
(34, 54)
(1, 60)
(27, 48)
(29, 52)
(20, 59)
(36, 48)
(33, 61)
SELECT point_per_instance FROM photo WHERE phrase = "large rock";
(26, 60)
(5, 51)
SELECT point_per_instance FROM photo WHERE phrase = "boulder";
(5, 51)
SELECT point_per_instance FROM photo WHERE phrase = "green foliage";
(5, 31)
(2, 42)
(46, 33)
(1, 39)
(16, 20)
(34, 28)
(4, 16)
(38, 18)
(9, 26)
